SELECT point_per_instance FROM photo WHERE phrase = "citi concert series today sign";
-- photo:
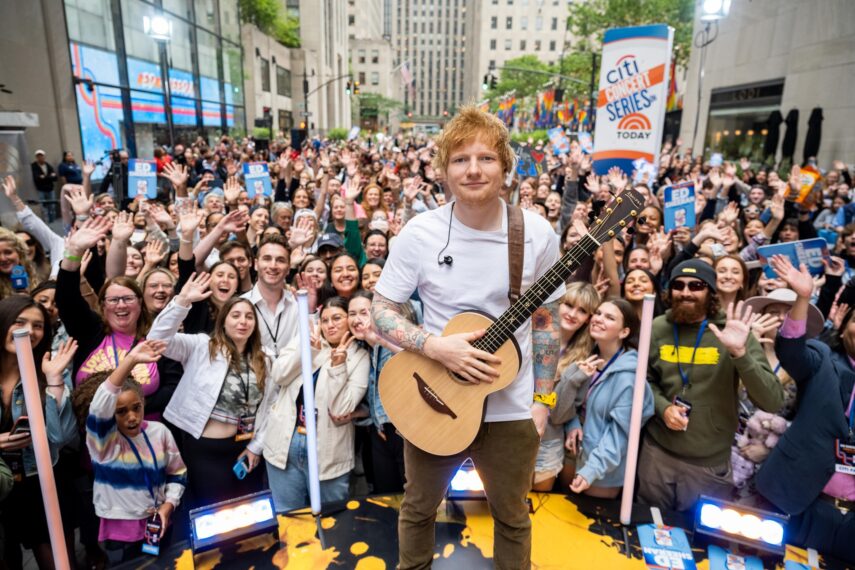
(632, 97)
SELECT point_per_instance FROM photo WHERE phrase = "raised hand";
(837, 314)
(154, 252)
(84, 263)
(589, 365)
(189, 221)
(80, 202)
(54, 365)
(88, 168)
(592, 183)
(764, 325)
(834, 266)
(232, 190)
(730, 214)
(10, 187)
(411, 188)
(353, 188)
(234, 222)
(799, 280)
(176, 174)
(715, 178)
(339, 353)
(87, 235)
(123, 227)
(195, 290)
(777, 204)
(744, 163)
(147, 351)
(159, 214)
(617, 178)
(734, 336)
(301, 232)
(795, 179)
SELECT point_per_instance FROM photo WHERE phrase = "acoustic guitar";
(440, 413)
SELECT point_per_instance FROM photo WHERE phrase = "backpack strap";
(516, 252)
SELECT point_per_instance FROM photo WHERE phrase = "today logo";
(634, 126)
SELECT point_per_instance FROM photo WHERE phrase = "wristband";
(61, 385)
(549, 400)
(71, 257)
(81, 217)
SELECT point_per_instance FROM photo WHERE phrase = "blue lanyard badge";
(685, 375)
(601, 374)
(148, 482)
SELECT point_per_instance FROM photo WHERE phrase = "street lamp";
(159, 28)
(711, 12)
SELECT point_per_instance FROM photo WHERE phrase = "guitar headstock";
(616, 215)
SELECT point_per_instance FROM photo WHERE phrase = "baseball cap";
(40, 151)
(330, 240)
(697, 269)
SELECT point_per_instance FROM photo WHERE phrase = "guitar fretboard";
(518, 313)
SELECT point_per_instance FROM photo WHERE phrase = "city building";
(270, 85)
(775, 56)
(371, 61)
(506, 29)
(430, 39)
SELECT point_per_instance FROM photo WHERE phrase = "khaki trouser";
(667, 482)
(504, 454)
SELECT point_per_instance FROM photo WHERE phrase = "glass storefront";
(112, 71)
(738, 119)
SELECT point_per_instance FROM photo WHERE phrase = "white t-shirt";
(476, 280)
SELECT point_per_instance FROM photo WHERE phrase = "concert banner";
(256, 176)
(632, 96)
(142, 178)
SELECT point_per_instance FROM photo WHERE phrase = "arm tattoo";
(546, 343)
(390, 323)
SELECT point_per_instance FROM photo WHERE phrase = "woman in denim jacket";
(23, 516)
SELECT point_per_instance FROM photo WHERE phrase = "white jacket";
(196, 394)
(339, 390)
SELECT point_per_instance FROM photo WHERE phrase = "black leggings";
(387, 458)
(210, 478)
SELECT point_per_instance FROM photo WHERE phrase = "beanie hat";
(697, 269)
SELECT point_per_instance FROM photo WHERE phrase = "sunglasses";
(694, 286)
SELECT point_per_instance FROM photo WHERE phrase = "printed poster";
(633, 89)
(811, 252)
(679, 206)
(665, 548)
(142, 178)
(559, 140)
(721, 559)
(256, 176)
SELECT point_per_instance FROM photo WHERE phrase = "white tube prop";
(637, 408)
(309, 401)
(38, 431)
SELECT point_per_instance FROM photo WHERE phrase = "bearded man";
(698, 355)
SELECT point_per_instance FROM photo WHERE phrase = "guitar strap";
(516, 252)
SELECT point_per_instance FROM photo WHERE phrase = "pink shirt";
(121, 530)
(841, 485)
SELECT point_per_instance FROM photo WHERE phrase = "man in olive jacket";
(698, 354)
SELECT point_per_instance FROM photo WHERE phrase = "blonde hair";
(580, 345)
(23, 252)
(470, 124)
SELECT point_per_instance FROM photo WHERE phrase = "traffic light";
(493, 82)
(356, 87)
(347, 88)
(486, 83)
(445, 112)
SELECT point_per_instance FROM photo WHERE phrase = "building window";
(522, 45)
(494, 22)
(492, 64)
(524, 22)
(285, 120)
(554, 23)
(536, 45)
(375, 78)
(265, 75)
(508, 45)
(283, 81)
(351, 20)
(362, 78)
(509, 22)
(538, 23)
(361, 58)
(375, 56)
(492, 44)
(552, 45)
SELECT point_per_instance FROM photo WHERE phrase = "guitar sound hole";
(459, 379)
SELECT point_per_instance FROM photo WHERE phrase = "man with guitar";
(457, 257)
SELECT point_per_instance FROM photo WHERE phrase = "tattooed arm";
(454, 351)
(546, 343)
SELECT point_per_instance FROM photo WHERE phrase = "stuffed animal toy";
(761, 434)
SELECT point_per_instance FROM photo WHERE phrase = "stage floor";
(568, 532)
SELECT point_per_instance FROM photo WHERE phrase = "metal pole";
(705, 35)
(309, 401)
(591, 103)
(306, 95)
(167, 93)
(32, 398)
(637, 408)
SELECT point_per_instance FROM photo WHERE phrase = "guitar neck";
(518, 313)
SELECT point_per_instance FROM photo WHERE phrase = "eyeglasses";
(114, 301)
(334, 319)
(693, 286)
(29, 242)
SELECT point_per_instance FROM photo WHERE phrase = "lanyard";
(851, 414)
(148, 482)
(275, 336)
(600, 375)
(777, 367)
(116, 352)
(246, 389)
(684, 375)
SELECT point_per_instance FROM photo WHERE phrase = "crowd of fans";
(167, 336)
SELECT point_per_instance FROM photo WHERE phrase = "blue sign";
(586, 142)
(811, 252)
(721, 559)
(665, 547)
(142, 178)
(256, 176)
(679, 206)
(560, 142)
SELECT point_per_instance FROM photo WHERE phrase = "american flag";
(407, 78)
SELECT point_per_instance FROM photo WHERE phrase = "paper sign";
(256, 176)
(354, 132)
(721, 559)
(665, 547)
(716, 159)
(679, 206)
(586, 142)
(530, 162)
(811, 252)
(631, 102)
(142, 178)
(560, 142)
